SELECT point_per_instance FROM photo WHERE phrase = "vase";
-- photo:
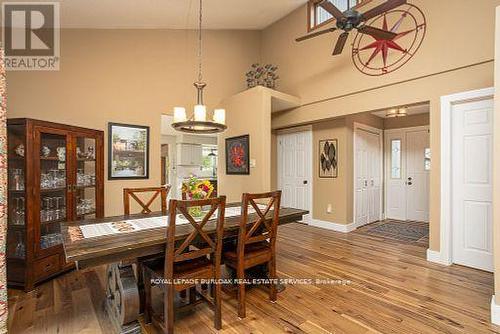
(195, 211)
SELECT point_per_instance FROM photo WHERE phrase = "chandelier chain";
(200, 74)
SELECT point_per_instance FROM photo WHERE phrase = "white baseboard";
(436, 257)
(333, 226)
(495, 311)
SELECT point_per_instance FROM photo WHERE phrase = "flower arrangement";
(195, 188)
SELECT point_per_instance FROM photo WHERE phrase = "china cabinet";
(56, 174)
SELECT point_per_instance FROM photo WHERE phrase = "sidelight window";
(396, 159)
(427, 159)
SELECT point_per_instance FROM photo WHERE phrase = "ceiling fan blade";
(330, 8)
(339, 47)
(386, 6)
(315, 34)
(379, 34)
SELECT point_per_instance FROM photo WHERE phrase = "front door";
(408, 164)
(472, 188)
(294, 170)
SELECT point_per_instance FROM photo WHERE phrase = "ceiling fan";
(352, 19)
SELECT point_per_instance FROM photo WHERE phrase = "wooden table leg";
(122, 299)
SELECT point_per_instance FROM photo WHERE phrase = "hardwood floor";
(392, 289)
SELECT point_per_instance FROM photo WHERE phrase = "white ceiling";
(411, 110)
(173, 14)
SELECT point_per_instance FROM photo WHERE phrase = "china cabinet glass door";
(85, 186)
(52, 179)
(16, 248)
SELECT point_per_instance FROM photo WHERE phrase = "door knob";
(304, 182)
(410, 178)
(409, 183)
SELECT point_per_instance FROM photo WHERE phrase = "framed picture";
(328, 158)
(238, 155)
(128, 151)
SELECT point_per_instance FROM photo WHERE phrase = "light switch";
(329, 208)
(253, 163)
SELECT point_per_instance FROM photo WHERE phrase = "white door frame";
(309, 130)
(380, 132)
(387, 159)
(447, 103)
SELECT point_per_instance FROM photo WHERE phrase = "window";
(396, 159)
(427, 159)
(209, 159)
(318, 16)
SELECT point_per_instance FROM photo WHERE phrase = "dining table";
(120, 242)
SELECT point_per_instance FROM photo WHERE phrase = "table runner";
(135, 225)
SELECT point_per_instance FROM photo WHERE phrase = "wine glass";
(20, 215)
(20, 247)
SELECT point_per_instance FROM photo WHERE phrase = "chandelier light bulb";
(200, 113)
(179, 114)
(220, 116)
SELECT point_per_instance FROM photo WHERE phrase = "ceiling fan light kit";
(390, 47)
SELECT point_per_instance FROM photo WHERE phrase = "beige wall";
(331, 191)
(249, 113)
(131, 76)
(331, 86)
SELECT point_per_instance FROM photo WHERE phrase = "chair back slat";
(156, 192)
(199, 242)
(264, 225)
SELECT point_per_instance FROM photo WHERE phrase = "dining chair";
(146, 207)
(256, 241)
(197, 257)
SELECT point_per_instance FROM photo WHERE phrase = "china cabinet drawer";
(47, 266)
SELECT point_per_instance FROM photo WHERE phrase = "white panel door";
(417, 175)
(374, 179)
(472, 188)
(294, 170)
(367, 177)
(361, 178)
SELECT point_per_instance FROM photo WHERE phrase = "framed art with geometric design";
(328, 158)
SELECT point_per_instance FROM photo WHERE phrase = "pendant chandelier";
(198, 123)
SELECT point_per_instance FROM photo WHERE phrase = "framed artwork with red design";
(238, 155)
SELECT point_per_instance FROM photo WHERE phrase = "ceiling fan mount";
(353, 18)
